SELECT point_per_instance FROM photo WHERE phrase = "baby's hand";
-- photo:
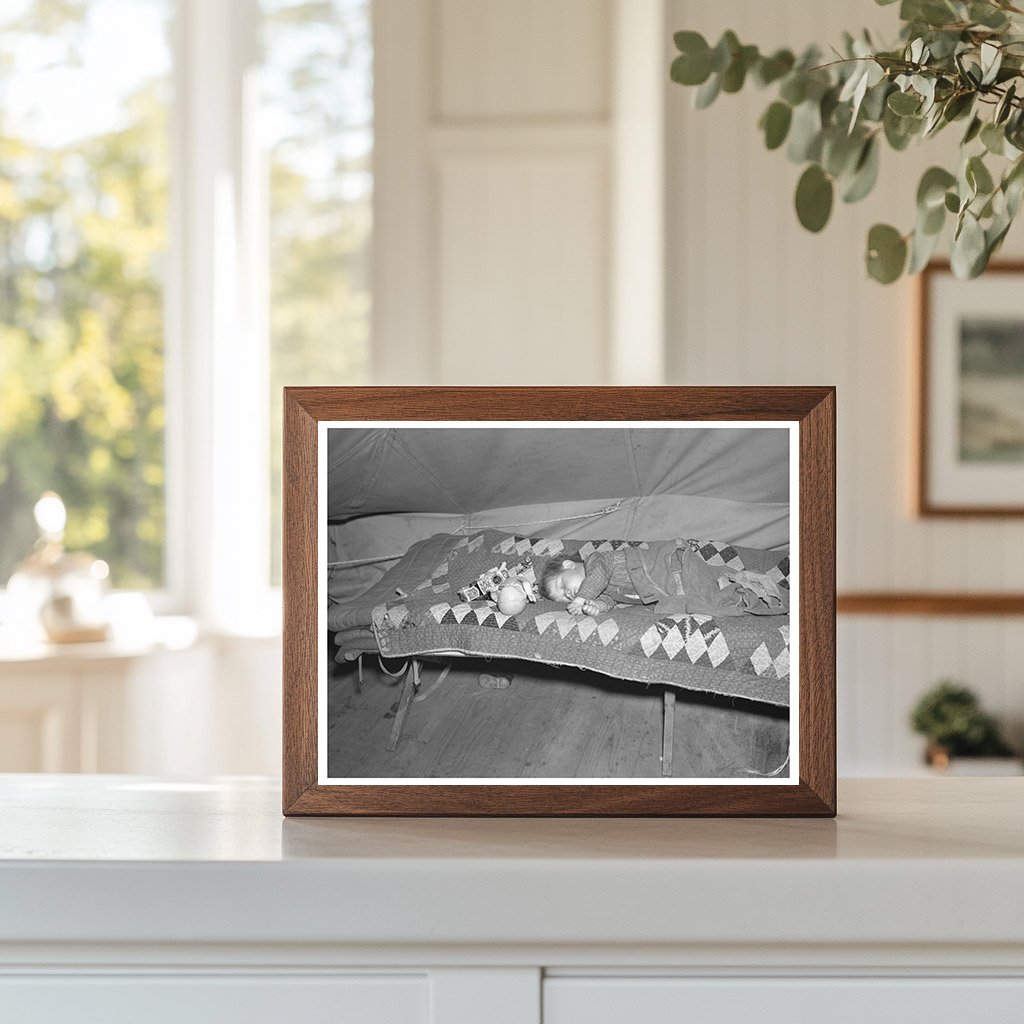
(576, 606)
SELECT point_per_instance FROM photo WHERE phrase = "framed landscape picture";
(600, 601)
(970, 450)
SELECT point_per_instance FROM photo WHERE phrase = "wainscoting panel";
(521, 238)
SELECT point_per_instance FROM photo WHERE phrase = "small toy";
(513, 594)
(489, 582)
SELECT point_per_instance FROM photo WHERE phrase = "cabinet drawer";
(625, 1000)
(205, 999)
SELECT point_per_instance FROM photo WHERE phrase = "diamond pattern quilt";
(416, 609)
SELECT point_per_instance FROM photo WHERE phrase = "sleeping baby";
(668, 574)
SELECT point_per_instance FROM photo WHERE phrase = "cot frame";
(813, 408)
(411, 687)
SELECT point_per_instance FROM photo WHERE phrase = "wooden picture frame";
(808, 413)
(955, 474)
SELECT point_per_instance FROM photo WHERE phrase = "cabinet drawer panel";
(782, 1001)
(202, 999)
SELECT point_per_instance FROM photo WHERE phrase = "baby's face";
(565, 585)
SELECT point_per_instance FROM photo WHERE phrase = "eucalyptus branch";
(833, 117)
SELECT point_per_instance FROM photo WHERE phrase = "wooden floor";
(554, 723)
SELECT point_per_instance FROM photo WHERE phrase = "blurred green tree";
(82, 232)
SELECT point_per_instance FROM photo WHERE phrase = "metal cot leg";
(666, 734)
(409, 688)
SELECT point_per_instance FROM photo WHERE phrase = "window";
(83, 236)
(317, 88)
(185, 220)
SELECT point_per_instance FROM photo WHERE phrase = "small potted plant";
(950, 717)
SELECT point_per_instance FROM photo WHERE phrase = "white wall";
(752, 298)
(505, 134)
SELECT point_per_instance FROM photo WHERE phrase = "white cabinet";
(99, 708)
(42, 720)
(173, 704)
(480, 996)
(202, 999)
(126, 899)
(823, 1000)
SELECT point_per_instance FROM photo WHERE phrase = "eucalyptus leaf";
(900, 130)
(930, 12)
(724, 51)
(968, 247)
(684, 72)
(886, 253)
(857, 79)
(993, 138)
(958, 105)
(973, 129)
(775, 124)
(827, 106)
(814, 195)
(932, 221)
(943, 44)
(987, 210)
(978, 176)
(904, 103)
(873, 106)
(688, 42)
(771, 69)
(1013, 187)
(865, 173)
(925, 87)
(817, 83)
(1014, 191)
(987, 15)
(856, 89)
(970, 71)
(931, 191)
(805, 133)
(1005, 105)
(922, 248)
(794, 88)
(933, 122)
(735, 74)
(995, 233)
(707, 93)
(991, 60)
(840, 152)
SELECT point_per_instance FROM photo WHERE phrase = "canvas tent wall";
(389, 487)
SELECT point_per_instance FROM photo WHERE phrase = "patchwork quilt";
(417, 609)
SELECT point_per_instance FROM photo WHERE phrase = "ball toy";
(511, 598)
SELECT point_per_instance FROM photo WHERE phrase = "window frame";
(217, 346)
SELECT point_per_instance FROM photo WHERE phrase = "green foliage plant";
(957, 61)
(950, 717)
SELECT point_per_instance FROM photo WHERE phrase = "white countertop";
(122, 859)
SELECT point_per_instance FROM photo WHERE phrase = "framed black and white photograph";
(970, 459)
(518, 611)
